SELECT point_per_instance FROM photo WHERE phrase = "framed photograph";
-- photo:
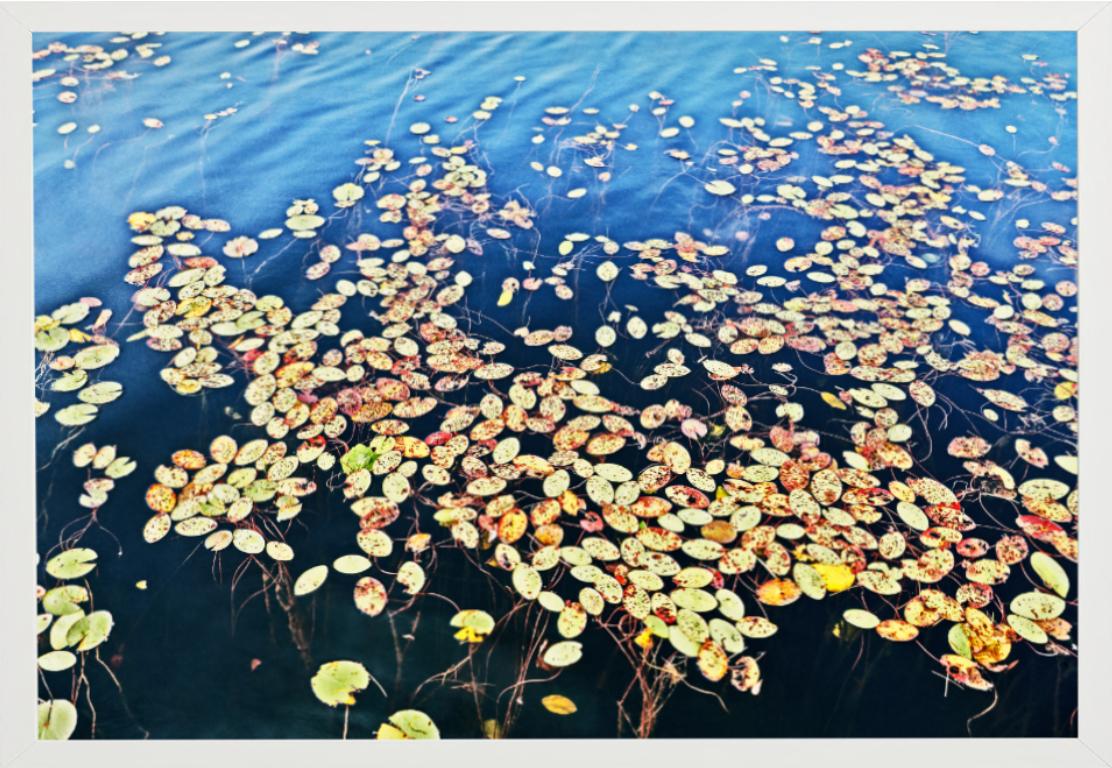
(555, 381)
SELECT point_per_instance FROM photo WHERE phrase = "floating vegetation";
(71, 631)
(75, 73)
(66, 373)
(842, 400)
(336, 681)
(409, 724)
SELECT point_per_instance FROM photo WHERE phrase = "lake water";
(183, 649)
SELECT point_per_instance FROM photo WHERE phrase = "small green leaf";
(335, 682)
(409, 724)
(72, 564)
(57, 720)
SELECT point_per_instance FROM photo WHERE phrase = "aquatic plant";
(745, 425)
(72, 633)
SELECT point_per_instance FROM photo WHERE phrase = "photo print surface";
(561, 385)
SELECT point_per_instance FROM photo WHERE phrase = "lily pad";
(100, 393)
(337, 681)
(310, 580)
(563, 654)
(72, 564)
(51, 339)
(96, 356)
(64, 599)
(1052, 574)
(76, 415)
(56, 661)
(409, 724)
(57, 720)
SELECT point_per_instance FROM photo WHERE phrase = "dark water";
(184, 646)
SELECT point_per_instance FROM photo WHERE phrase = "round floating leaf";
(607, 271)
(1038, 606)
(1052, 574)
(351, 564)
(60, 630)
(860, 618)
(76, 415)
(90, 631)
(720, 187)
(120, 467)
(563, 654)
(335, 682)
(70, 381)
(97, 356)
(347, 195)
(56, 661)
(370, 596)
(1027, 629)
(412, 577)
(559, 705)
(304, 221)
(474, 625)
(102, 392)
(64, 599)
(311, 580)
(72, 564)
(409, 724)
(57, 720)
(959, 641)
(51, 339)
(527, 581)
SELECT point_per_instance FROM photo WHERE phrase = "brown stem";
(283, 593)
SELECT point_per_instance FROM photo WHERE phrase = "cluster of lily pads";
(336, 682)
(61, 372)
(926, 76)
(66, 623)
(740, 426)
(70, 631)
(69, 70)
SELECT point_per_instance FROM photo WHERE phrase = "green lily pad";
(347, 194)
(120, 467)
(56, 661)
(68, 314)
(60, 631)
(57, 720)
(90, 631)
(351, 564)
(70, 381)
(472, 618)
(51, 339)
(102, 392)
(1052, 574)
(304, 221)
(96, 356)
(64, 599)
(72, 564)
(76, 415)
(563, 654)
(311, 580)
(409, 724)
(1038, 606)
(361, 456)
(335, 682)
(959, 641)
